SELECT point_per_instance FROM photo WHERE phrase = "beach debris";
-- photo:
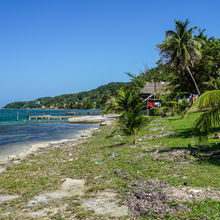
(159, 135)
(70, 187)
(105, 203)
(182, 156)
(191, 196)
(5, 197)
(114, 155)
(148, 198)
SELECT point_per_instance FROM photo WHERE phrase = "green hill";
(95, 98)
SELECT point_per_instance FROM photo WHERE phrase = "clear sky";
(53, 47)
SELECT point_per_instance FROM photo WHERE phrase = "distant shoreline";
(48, 109)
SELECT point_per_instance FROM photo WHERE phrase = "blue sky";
(53, 47)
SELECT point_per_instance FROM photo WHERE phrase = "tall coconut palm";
(210, 102)
(181, 49)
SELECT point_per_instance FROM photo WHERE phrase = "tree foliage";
(129, 103)
(95, 98)
(180, 49)
(210, 102)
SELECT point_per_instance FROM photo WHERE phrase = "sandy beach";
(28, 149)
(24, 150)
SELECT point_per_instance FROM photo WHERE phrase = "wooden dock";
(49, 117)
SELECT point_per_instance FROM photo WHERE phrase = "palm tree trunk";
(194, 81)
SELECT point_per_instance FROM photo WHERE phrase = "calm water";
(14, 134)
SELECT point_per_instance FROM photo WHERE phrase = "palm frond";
(207, 100)
(171, 33)
(206, 122)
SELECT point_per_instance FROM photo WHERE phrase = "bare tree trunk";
(193, 79)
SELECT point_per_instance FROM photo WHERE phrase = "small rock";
(16, 162)
(106, 203)
(4, 197)
(69, 188)
(97, 177)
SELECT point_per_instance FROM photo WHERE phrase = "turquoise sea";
(16, 131)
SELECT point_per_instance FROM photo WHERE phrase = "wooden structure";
(48, 117)
(149, 92)
(150, 89)
(82, 113)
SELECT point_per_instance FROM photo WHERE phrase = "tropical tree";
(181, 49)
(137, 81)
(126, 100)
(130, 122)
(130, 105)
(213, 83)
(182, 107)
(210, 102)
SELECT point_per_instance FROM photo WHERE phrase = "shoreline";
(35, 147)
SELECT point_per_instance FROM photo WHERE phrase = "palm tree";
(130, 122)
(128, 103)
(209, 101)
(126, 100)
(180, 49)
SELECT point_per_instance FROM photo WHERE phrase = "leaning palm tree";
(180, 49)
(210, 102)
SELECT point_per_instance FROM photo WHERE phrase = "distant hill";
(95, 98)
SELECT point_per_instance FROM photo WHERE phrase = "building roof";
(152, 87)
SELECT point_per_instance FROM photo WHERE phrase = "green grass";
(92, 161)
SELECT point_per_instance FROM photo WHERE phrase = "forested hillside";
(95, 98)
